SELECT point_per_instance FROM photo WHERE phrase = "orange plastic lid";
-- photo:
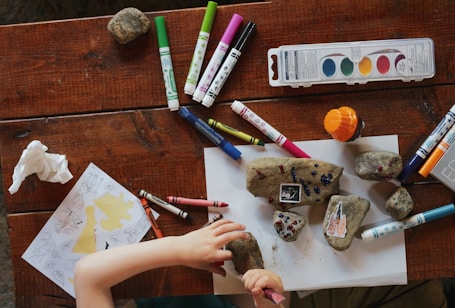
(342, 123)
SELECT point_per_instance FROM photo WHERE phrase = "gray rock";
(400, 203)
(342, 219)
(288, 225)
(292, 182)
(128, 24)
(246, 254)
(378, 165)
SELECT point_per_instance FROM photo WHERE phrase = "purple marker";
(217, 58)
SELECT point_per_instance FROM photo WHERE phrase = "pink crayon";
(196, 202)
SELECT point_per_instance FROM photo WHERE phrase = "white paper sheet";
(309, 263)
(98, 213)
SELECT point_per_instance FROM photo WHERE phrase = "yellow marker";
(438, 152)
(234, 132)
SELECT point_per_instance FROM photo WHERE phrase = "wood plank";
(87, 71)
(149, 147)
(68, 84)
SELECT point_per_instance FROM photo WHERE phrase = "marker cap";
(415, 162)
(230, 150)
(343, 124)
(161, 32)
(231, 29)
(209, 16)
(246, 34)
(439, 212)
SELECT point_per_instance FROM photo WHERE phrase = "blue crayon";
(210, 133)
(428, 145)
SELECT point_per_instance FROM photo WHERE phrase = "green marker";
(199, 50)
(166, 64)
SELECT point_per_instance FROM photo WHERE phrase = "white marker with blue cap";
(415, 220)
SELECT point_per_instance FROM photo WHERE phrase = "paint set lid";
(351, 62)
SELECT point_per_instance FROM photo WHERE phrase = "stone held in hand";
(291, 182)
(342, 219)
(246, 254)
(378, 165)
(399, 204)
(128, 24)
(288, 225)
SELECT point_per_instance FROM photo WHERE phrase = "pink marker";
(267, 129)
(217, 58)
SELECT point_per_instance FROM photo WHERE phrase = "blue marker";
(415, 220)
(419, 157)
(210, 133)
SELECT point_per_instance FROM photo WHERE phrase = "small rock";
(128, 24)
(378, 165)
(292, 182)
(342, 219)
(399, 204)
(288, 225)
(246, 254)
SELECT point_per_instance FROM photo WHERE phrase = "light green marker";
(166, 64)
(199, 50)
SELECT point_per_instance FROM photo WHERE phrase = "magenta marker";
(228, 65)
(217, 58)
(267, 129)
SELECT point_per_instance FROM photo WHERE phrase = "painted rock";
(342, 219)
(128, 24)
(378, 165)
(400, 203)
(246, 254)
(288, 225)
(291, 182)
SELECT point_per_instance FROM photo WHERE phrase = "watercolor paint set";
(351, 62)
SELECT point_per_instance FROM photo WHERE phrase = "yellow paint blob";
(86, 242)
(115, 210)
(365, 66)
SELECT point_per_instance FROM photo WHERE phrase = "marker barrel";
(267, 129)
(438, 152)
(428, 145)
(228, 65)
(415, 220)
(166, 64)
(210, 133)
(217, 58)
(200, 49)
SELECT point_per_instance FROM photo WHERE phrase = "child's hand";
(203, 248)
(258, 279)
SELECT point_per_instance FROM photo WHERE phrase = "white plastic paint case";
(351, 62)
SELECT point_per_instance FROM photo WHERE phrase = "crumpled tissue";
(48, 167)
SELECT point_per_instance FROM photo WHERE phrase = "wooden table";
(71, 86)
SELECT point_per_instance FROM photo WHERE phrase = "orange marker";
(155, 227)
(438, 152)
(343, 124)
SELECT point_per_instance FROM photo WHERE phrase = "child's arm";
(256, 281)
(95, 274)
